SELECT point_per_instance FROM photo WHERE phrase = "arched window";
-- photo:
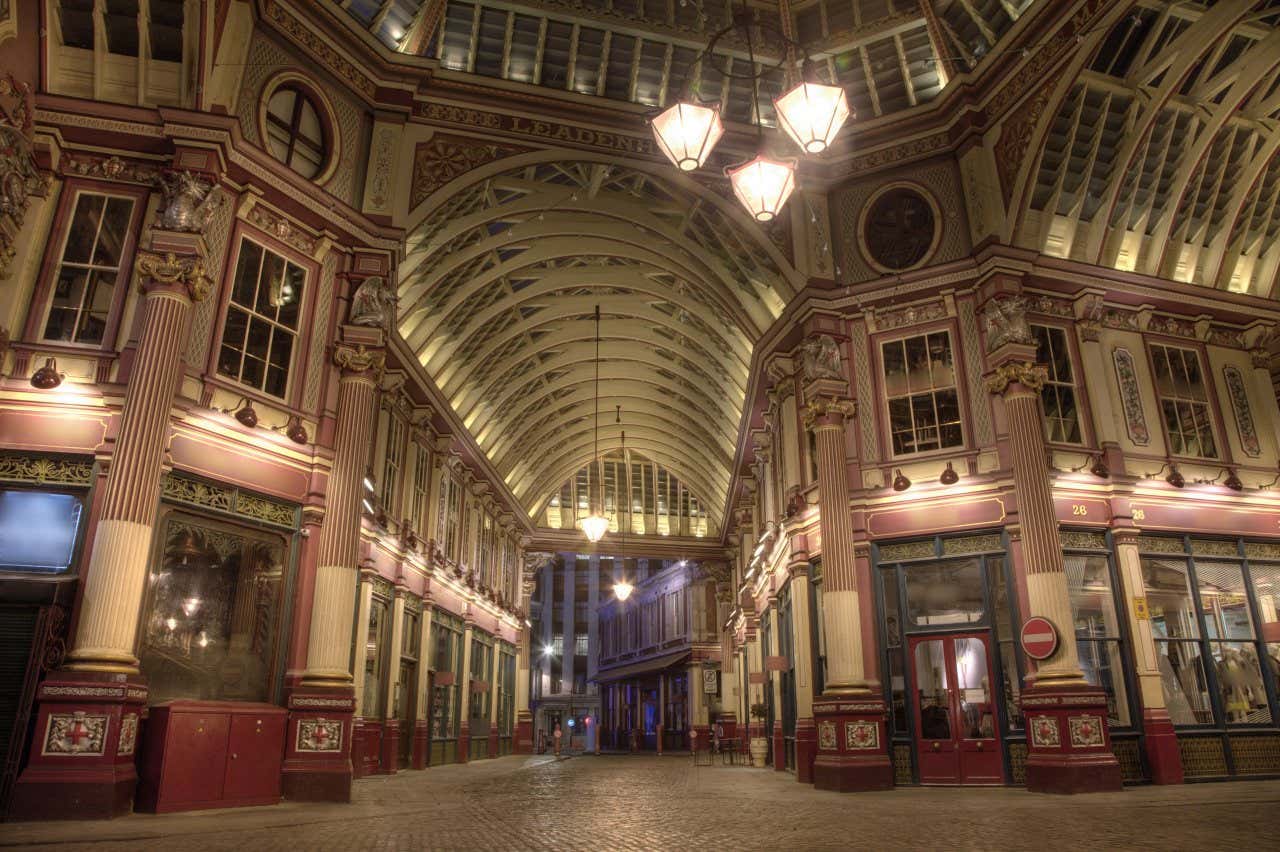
(296, 135)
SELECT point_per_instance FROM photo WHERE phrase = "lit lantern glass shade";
(812, 114)
(594, 527)
(687, 132)
(763, 185)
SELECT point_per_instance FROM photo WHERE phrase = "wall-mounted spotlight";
(1175, 477)
(294, 430)
(949, 476)
(47, 377)
(1099, 468)
(1233, 481)
(244, 413)
(900, 481)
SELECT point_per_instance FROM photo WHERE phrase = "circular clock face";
(899, 229)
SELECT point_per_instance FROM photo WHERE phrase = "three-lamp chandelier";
(811, 113)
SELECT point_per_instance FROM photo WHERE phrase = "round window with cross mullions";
(296, 131)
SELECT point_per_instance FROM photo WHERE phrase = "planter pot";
(759, 748)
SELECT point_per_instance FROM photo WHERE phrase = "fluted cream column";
(329, 645)
(1019, 383)
(117, 572)
(802, 656)
(841, 608)
(464, 708)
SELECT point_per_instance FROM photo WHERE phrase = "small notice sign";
(1140, 610)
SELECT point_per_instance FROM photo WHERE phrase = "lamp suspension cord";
(596, 427)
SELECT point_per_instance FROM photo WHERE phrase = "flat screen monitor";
(38, 530)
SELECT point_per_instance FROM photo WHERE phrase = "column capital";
(169, 271)
(828, 411)
(359, 359)
(1125, 535)
(1022, 373)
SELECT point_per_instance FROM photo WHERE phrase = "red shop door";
(956, 722)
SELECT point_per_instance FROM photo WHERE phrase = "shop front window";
(1097, 629)
(945, 593)
(38, 530)
(1225, 603)
(375, 658)
(1174, 625)
(212, 613)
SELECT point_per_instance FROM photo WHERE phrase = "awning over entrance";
(649, 666)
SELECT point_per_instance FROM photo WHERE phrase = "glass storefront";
(1213, 613)
(212, 614)
(445, 658)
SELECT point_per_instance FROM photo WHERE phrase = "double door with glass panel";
(957, 730)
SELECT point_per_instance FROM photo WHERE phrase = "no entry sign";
(1039, 638)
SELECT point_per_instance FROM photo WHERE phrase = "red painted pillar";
(1068, 743)
(82, 754)
(321, 734)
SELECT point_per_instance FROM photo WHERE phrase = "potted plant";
(759, 743)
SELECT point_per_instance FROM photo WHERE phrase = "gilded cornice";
(1030, 376)
(359, 359)
(826, 406)
(169, 269)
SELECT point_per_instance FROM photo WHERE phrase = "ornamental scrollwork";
(188, 202)
(20, 179)
(359, 358)
(1005, 321)
(820, 359)
(187, 272)
(1030, 376)
(827, 406)
(46, 470)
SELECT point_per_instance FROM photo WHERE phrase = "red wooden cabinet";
(210, 754)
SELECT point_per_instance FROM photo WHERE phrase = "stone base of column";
(82, 752)
(779, 745)
(853, 744)
(806, 749)
(524, 732)
(317, 756)
(493, 740)
(464, 743)
(421, 744)
(702, 742)
(1068, 744)
(390, 747)
(1160, 745)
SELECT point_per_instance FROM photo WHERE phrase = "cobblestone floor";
(650, 803)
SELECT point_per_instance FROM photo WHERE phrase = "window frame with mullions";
(1205, 643)
(306, 91)
(1054, 384)
(1221, 451)
(901, 336)
(300, 350)
(52, 263)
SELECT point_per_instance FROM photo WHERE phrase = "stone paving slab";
(652, 803)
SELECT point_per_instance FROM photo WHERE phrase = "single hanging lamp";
(763, 185)
(687, 132)
(812, 114)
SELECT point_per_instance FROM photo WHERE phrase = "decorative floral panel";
(46, 470)
(972, 544)
(1155, 544)
(1130, 397)
(1212, 547)
(1261, 550)
(1240, 407)
(1086, 731)
(1202, 756)
(861, 736)
(77, 734)
(1082, 540)
(128, 733)
(1256, 755)
(319, 734)
(827, 736)
(1128, 753)
(907, 550)
(1044, 732)
(902, 765)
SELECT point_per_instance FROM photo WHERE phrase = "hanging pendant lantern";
(763, 185)
(686, 133)
(812, 114)
(594, 527)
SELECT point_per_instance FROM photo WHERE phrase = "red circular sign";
(1039, 638)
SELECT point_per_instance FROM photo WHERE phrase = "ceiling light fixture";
(595, 525)
(810, 113)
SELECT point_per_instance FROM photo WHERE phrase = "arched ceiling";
(497, 297)
(1161, 155)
